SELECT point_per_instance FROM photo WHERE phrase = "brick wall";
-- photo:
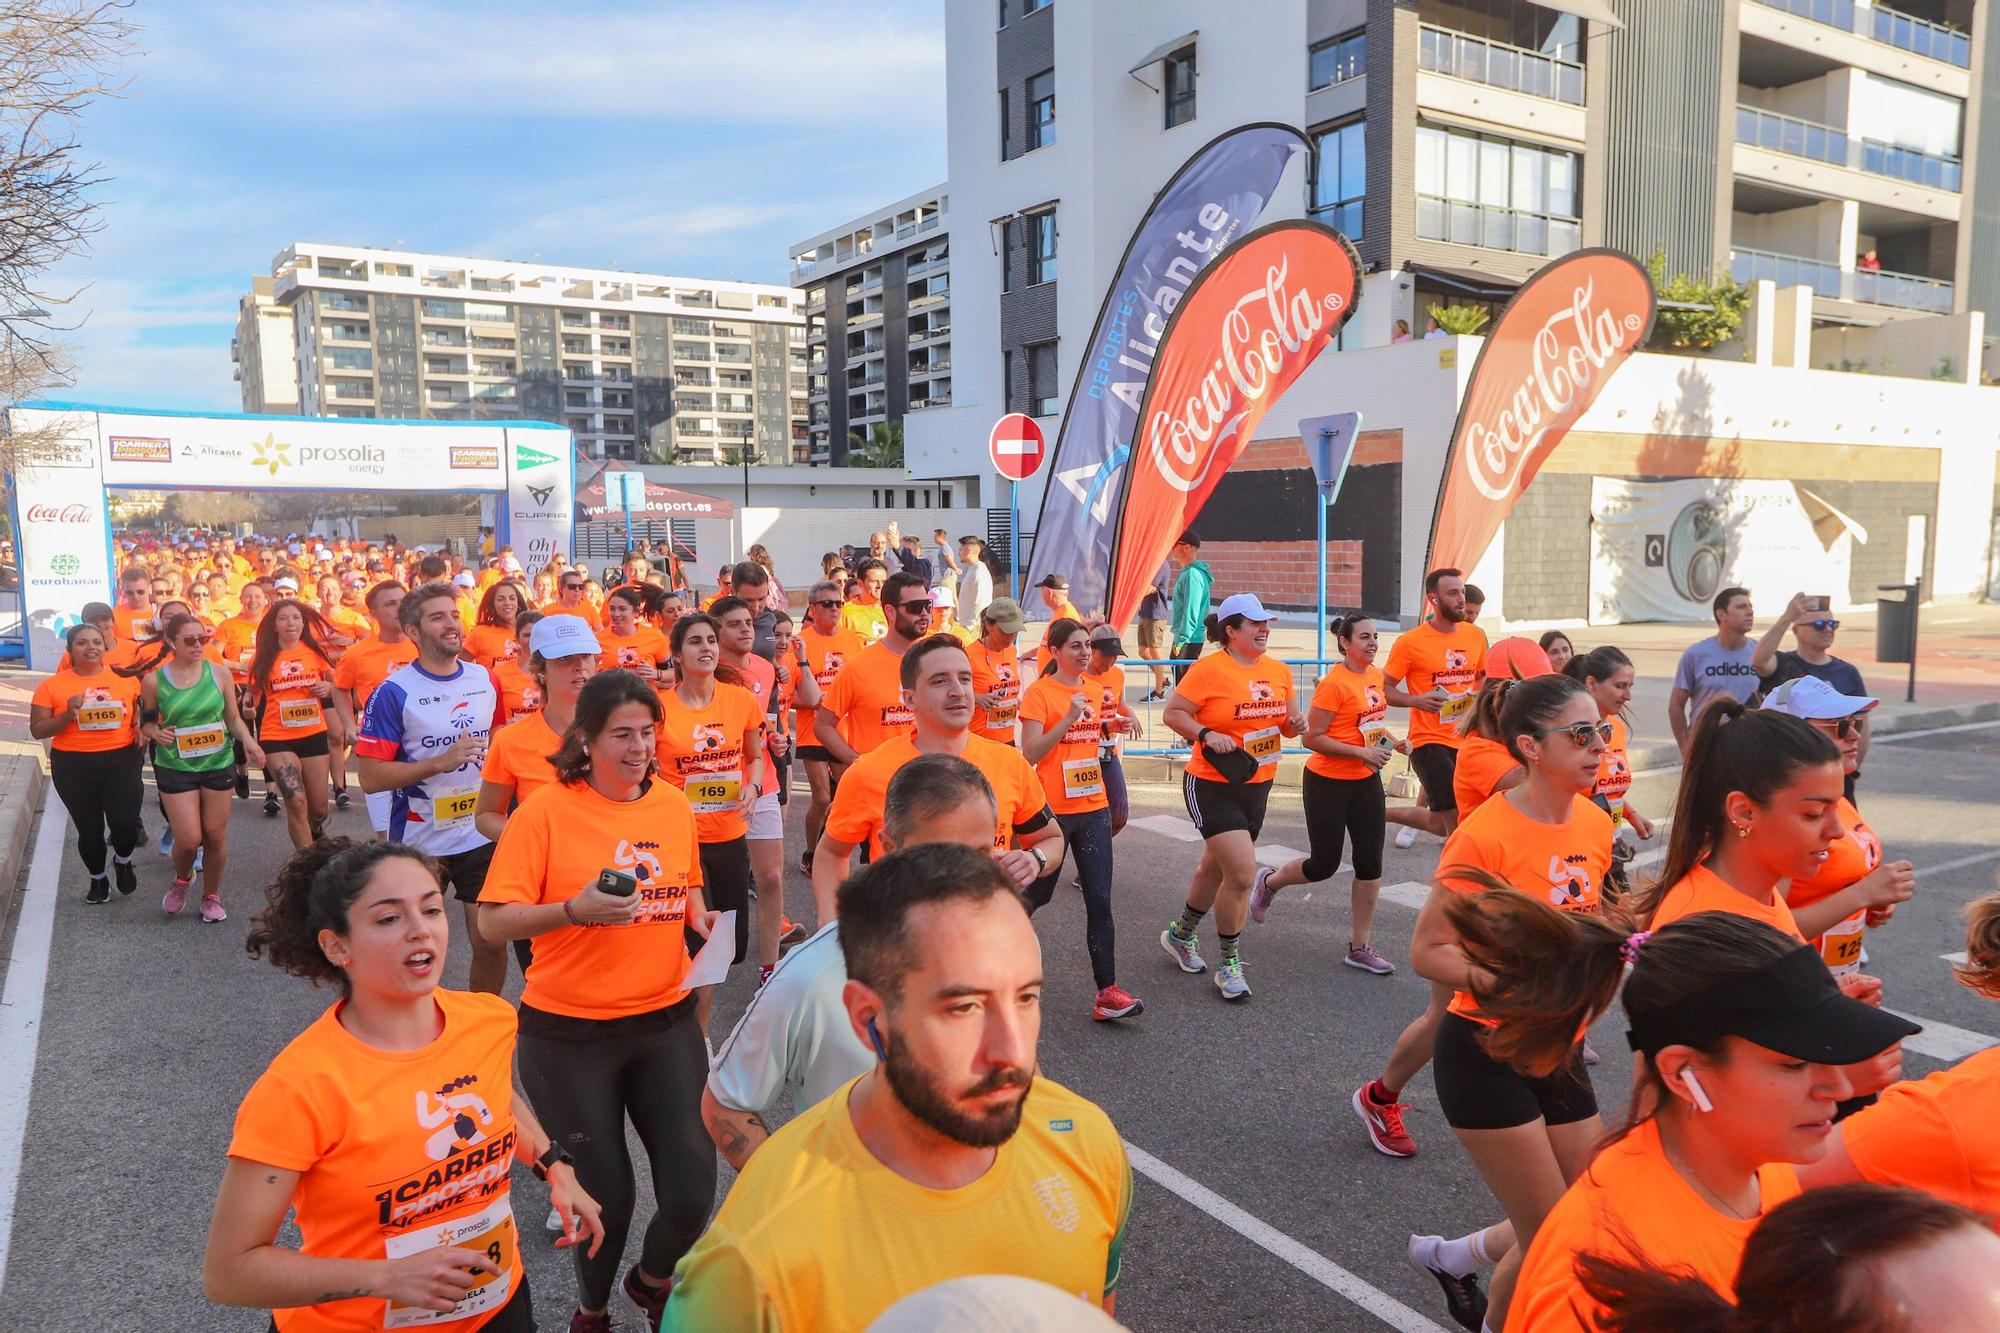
(1281, 573)
(1547, 552)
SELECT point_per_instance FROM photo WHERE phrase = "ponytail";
(158, 648)
(314, 889)
(1531, 705)
(1981, 968)
(1484, 719)
(1060, 633)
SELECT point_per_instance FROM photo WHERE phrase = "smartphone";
(1820, 603)
(616, 883)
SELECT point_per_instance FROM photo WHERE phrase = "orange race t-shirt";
(520, 694)
(290, 710)
(1614, 770)
(1359, 711)
(131, 624)
(353, 626)
(109, 718)
(867, 697)
(517, 756)
(1935, 1134)
(490, 645)
(583, 610)
(701, 752)
(1422, 658)
(237, 638)
(1705, 891)
(643, 644)
(1631, 1205)
(856, 814)
(1072, 774)
(1853, 854)
(1115, 713)
(866, 621)
(826, 654)
(1481, 765)
(996, 671)
(1561, 864)
(367, 664)
(383, 1177)
(125, 652)
(1247, 702)
(555, 844)
(760, 677)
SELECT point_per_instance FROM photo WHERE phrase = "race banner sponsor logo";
(1248, 326)
(1547, 358)
(140, 449)
(482, 456)
(1211, 200)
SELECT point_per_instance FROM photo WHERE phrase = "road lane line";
(1890, 737)
(1942, 1041)
(1266, 1237)
(21, 1010)
(1410, 893)
(1171, 826)
(1992, 854)
(1957, 959)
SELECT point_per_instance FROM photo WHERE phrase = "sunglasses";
(198, 640)
(1580, 732)
(1844, 727)
(572, 587)
(911, 608)
(828, 602)
(1824, 624)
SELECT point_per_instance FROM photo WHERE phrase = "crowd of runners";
(601, 771)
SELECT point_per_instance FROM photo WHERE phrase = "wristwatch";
(1041, 858)
(552, 1156)
(1201, 737)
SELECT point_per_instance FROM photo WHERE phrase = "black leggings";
(585, 1077)
(725, 887)
(1344, 808)
(1088, 839)
(100, 787)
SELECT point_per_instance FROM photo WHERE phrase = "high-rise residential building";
(262, 352)
(638, 365)
(878, 320)
(1460, 145)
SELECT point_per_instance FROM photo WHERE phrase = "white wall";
(797, 538)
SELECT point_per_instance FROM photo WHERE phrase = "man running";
(864, 706)
(361, 671)
(1723, 663)
(825, 648)
(1433, 670)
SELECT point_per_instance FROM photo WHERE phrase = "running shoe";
(1383, 1119)
(242, 786)
(1589, 1055)
(1230, 981)
(340, 799)
(1261, 894)
(176, 897)
(211, 909)
(1406, 836)
(579, 1322)
(791, 932)
(1462, 1295)
(1182, 951)
(1364, 957)
(197, 857)
(166, 842)
(1114, 1001)
(99, 891)
(127, 873)
(271, 806)
(806, 864)
(651, 1302)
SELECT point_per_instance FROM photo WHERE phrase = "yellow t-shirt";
(817, 1233)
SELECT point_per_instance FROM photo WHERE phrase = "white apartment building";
(639, 366)
(262, 352)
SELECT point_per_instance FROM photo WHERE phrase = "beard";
(1450, 615)
(921, 1096)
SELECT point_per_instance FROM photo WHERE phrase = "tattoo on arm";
(326, 1296)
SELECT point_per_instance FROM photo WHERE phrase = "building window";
(1019, 9)
(1007, 380)
(1006, 130)
(1180, 87)
(1042, 248)
(1340, 177)
(1337, 60)
(1042, 379)
(1042, 110)
(1475, 189)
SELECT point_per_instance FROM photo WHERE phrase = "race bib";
(1617, 804)
(489, 1232)
(1082, 777)
(1003, 716)
(715, 794)
(1376, 736)
(1841, 945)
(298, 712)
(199, 742)
(1456, 707)
(1263, 745)
(453, 807)
(101, 717)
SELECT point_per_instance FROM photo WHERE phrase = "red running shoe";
(1383, 1119)
(1114, 1001)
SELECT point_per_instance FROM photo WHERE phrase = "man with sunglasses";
(570, 600)
(1813, 631)
(824, 645)
(864, 706)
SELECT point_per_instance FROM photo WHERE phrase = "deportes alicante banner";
(1248, 326)
(1215, 195)
(1545, 361)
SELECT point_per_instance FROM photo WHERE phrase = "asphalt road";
(153, 1029)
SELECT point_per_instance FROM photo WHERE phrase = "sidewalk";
(23, 784)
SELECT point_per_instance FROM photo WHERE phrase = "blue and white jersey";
(413, 716)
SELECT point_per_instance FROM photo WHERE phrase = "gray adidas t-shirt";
(1708, 669)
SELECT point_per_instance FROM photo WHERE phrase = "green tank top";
(202, 743)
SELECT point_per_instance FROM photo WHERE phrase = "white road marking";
(1992, 854)
(1172, 826)
(21, 1010)
(1891, 737)
(1410, 893)
(1955, 959)
(1942, 1041)
(1266, 1237)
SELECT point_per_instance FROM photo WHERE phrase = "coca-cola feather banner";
(1545, 360)
(1246, 328)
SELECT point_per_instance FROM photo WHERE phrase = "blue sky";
(696, 137)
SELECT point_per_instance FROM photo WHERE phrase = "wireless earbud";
(1695, 1090)
(875, 1039)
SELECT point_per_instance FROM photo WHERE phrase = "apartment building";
(1460, 145)
(262, 352)
(878, 320)
(639, 366)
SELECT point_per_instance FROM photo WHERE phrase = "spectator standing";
(1723, 663)
(1812, 631)
(975, 581)
(1190, 599)
(1154, 609)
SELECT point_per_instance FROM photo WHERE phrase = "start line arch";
(63, 525)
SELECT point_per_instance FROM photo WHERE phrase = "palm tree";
(882, 446)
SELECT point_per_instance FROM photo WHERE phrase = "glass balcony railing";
(1904, 291)
(1499, 65)
(1496, 228)
(1827, 143)
(1905, 32)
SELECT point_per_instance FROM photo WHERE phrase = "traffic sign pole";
(1014, 541)
(1017, 449)
(1332, 446)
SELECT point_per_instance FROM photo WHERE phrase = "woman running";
(1528, 1135)
(1061, 729)
(520, 692)
(492, 637)
(1349, 740)
(1120, 722)
(627, 641)
(191, 718)
(1607, 673)
(560, 660)
(89, 715)
(1233, 707)
(1486, 766)
(291, 680)
(1560, 650)
(602, 870)
(404, 1219)
(1741, 1040)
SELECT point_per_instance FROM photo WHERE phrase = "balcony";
(936, 367)
(1905, 32)
(1498, 65)
(909, 229)
(1902, 291)
(918, 404)
(919, 337)
(865, 319)
(929, 299)
(1826, 143)
(1464, 223)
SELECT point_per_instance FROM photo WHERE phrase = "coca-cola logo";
(48, 513)
(1569, 354)
(1267, 336)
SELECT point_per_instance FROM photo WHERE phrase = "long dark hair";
(1060, 633)
(1733, 749)
(1597, 664)
(601, 695)
(1484, 719)
(313, 891)
(1530, 706)
(725, 673)
(160, 647)
(312, 633)
(488, 614)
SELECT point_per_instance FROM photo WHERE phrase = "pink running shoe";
(211, 909)
(176, 897)
(1261, 894)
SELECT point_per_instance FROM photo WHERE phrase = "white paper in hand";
(711, 965)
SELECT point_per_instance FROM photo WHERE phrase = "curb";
(23, 788)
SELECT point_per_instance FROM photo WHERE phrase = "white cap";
(993, 1303)
(464, 579)
(941, 600)
(562, 636)
(1243, 604)
(510, 565)
(1811, 698)
(286, 582)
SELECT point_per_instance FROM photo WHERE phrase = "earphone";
(875, 1039)
(1695, 1090)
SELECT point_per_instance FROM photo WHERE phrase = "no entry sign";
(1016, 447)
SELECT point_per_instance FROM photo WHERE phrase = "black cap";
(1055, 581)
(1190, 538)
(1105, 639)
(1791, 1005)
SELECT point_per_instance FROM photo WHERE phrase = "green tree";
(1695, 313)
(1461, 319)
(882, 446)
